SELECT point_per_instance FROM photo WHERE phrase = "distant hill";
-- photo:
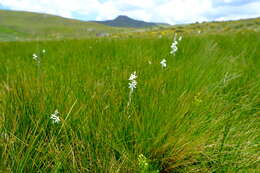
(17, 25)
(125, 21)
(215, 27)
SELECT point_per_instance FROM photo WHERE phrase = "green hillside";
(238, 26)
(16, 25)
(228, 26)
(244, 25)
(27, 26)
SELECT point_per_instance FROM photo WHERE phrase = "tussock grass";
(200, 114)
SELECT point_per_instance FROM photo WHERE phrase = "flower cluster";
(197, 99)
(133, 83)
(145, 165)
(143, 162)
(163, 63)
(36, 58)
(175, 42)
(54, 117)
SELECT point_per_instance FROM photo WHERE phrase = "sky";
(165, 11)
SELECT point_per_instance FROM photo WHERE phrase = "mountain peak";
(122, 17)
(125, 21)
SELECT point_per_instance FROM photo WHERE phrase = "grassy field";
(199, 114)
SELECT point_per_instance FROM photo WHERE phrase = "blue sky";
(168, 11)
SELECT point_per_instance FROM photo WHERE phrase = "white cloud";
(247, 10)
(134, 8)
(227, 1)
(169, 11)
(58, 7)
(184, 11)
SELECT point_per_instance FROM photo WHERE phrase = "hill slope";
(220, 27)
(16, 25)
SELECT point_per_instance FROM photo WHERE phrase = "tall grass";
(200, 114)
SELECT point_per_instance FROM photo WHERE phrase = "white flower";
(133, 76)
(54, 117)
(35, 57)
(174, 47)
(43, 51)
(163, 63)
(132, 85)
(175, 43)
